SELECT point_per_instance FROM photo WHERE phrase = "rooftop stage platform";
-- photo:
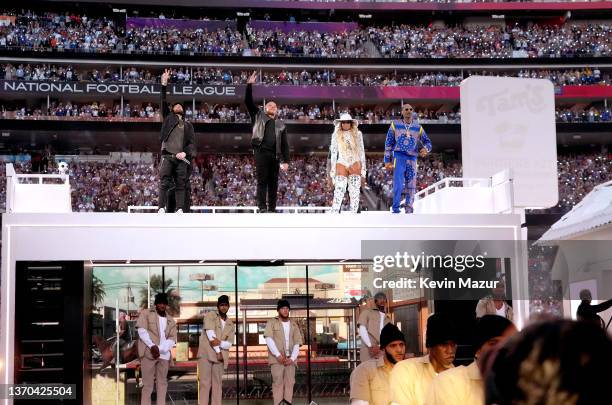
(203, 238)
(43, 241)
(231, 237)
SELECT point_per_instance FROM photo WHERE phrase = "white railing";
(456, 195)
(10, 175)
(303, 209)
(112, 157)
(214, 209)
(40, 193)
(445, 183)
(502, 184)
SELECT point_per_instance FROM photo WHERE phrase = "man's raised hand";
(164, 77)
(253, 78)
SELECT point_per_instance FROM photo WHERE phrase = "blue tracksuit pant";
(404, 176)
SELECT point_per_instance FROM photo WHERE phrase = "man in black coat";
(588, 312)
(270, 145)
(177, 149)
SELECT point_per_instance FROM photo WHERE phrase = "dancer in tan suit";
(283, 338)
(213, 353)
(157, 332)
(371, 322)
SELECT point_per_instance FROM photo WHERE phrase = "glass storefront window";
(324, 304)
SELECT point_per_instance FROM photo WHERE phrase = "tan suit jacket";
(370, 318)
(149, 320)
(486, 306)
(274, 329)
(212, 321)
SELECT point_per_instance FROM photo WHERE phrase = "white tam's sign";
(510, 123)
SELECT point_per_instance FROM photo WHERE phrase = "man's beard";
(390, 358)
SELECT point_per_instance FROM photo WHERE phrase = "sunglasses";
(407, 109)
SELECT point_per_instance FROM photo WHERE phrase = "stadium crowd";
(220, 76)
(217, 180)
(532, 41)
(62, 32)
(592, 114)
(546, 293)
(131, 111)
(227, 113)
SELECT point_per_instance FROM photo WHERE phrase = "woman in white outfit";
(348, 164)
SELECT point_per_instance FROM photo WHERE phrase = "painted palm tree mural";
(98, 292)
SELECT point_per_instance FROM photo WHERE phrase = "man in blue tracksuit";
(406, 140)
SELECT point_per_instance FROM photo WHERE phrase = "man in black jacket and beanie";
(177, 149)
(588, 312)
(270, 145)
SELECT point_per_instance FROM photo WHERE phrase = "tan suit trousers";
(283, 379)
(211, 375)
(154, 371)
(364, 353)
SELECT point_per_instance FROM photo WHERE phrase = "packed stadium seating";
(581, 77)
(69, 32)
(290, 113)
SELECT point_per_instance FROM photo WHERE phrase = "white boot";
(354, 187)
(339, 190)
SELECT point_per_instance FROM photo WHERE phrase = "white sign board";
(509, 123)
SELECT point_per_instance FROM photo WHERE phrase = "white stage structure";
(31, 234)
(25, 194)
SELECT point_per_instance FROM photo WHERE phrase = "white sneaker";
(179, 211)
(161, 211)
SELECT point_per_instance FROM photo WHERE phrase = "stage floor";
(239, 236)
